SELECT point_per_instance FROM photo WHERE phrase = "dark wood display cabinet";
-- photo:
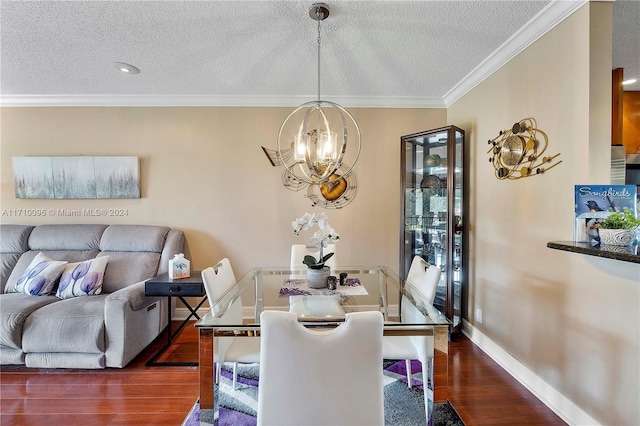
(433, 212)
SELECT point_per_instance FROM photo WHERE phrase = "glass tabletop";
(364, 288)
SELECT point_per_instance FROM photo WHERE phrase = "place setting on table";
(321, 303)
(346, 287)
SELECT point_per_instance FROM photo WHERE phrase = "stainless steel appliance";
(632, 177)
(618, 165)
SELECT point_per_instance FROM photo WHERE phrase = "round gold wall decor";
(516, 152)
(512, 150)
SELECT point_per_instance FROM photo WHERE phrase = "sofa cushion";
(11, 356)
(137, 238)
(66, 237)
(134, 254)
(69, 325)
(127, 268)
(64, 360)
(8, 262)
(82, 278)
(14, 310)
(15, 238)
(14, 242)
(40, 276)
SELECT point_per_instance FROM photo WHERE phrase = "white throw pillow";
(82, 278)
(40, 276)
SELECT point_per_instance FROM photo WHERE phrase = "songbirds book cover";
(595, 202)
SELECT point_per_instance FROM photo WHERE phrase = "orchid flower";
(320, 239)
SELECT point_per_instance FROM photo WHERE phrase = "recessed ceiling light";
(630, 81)
(126, 68)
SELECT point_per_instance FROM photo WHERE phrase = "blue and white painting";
(33, 177)
(117, 177)
(76, 177)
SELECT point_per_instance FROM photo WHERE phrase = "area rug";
(403, 406)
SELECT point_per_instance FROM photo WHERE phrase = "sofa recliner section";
(98, 331)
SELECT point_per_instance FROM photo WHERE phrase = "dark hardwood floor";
(480, 391)
(485, 394)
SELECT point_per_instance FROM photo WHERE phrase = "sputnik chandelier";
(318, 145)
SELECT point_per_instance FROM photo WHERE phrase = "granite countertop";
(622, 253)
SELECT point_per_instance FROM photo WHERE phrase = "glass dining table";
(360, 288)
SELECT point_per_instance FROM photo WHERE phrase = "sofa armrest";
(132, 321)
(133, 295)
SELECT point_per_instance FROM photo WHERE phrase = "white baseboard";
(557, 402)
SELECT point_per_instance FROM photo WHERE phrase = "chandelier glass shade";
(319, 143)
(313, 142)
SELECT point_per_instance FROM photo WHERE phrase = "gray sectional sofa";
(90, 331)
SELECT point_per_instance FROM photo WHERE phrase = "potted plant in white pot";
(317, 272)
(618, 229)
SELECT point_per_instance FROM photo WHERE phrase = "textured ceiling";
(374, 53)
(626, 39)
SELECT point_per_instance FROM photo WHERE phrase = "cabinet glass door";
(432, 202)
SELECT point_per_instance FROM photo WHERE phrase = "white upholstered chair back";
(421, 284)
(217, 281)
(321, 376)
(422, 281)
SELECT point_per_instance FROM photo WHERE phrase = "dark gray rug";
(403, 406)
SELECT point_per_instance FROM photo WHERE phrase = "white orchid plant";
(320, 239)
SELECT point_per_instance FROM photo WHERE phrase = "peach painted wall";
(202, 171)
(572, 320)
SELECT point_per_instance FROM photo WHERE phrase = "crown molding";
(550, 16)
(210, 101)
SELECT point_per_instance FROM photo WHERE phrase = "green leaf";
(621, 220)
(326, 257)
(310, 261)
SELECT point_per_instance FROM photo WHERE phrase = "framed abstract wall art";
(76, 177)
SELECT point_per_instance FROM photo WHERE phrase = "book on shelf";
(593, 203)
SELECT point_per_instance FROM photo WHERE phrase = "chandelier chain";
(320, 16)
(312, 143)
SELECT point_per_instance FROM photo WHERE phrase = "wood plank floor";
(485, 394)
(481, 391)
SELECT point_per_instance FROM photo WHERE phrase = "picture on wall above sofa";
(76, 177)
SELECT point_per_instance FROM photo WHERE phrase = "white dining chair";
(320, 376)
(422, 284)
(217, 281)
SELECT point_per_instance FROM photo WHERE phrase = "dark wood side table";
(162, 285)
